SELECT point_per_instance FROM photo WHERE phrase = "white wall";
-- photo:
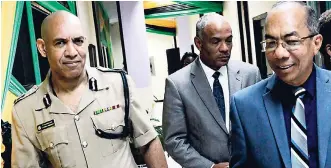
(193, 21)
(157, 46)
(85, 14)
(256, 8)
(183, 32)
(186, 33)
(135, 42)
(116, 45)
(231, 13)
(136, 50)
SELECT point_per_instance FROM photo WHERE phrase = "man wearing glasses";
(283, 121)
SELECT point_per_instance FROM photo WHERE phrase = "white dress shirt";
(224, 80)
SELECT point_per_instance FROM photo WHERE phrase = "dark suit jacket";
(259, 137)
(195, 134)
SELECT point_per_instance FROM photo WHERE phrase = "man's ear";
(317, 43)
(41, 47)
(198, 43)
(328, 49)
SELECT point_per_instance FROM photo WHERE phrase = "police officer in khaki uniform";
(76, 117)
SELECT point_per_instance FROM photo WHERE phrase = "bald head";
(207, 19)
(56, 19)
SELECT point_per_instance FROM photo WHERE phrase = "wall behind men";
(157, 45)
(231, 14)
(85, 14)
(116, 45)
(256, 8)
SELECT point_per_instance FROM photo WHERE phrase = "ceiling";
(157, 14)
(160, 15)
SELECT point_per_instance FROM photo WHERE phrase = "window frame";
(11, 83)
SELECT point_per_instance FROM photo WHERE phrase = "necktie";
(218, 94)
(299, 147)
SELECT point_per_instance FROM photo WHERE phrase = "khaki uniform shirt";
(68, 139)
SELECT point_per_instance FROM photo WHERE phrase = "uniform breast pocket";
(110, 122)
(54, 141)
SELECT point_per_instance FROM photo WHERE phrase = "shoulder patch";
(102, 69)
(27, 94)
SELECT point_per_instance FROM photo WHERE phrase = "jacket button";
(51, 145)
(84, 144)
(76, 117)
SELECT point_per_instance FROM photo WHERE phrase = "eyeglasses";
(290, 45)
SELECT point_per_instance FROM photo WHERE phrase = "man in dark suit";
(196, 106)
(284, 121)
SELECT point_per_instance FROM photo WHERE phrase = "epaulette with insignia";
(102, 69)
(27, 94)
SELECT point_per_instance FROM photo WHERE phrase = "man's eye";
(292, 42)
(79, 41)
(270, 44)
(228, 41)
(60, 44)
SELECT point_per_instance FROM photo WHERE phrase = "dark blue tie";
(218, 94)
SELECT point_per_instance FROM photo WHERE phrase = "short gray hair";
(311, 17)
(203, 21)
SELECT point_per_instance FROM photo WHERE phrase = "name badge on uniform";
(46, 125)
(106, 109)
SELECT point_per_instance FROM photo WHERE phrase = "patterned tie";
(299, 147)
(218, 94)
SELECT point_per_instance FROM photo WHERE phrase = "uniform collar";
(57, 106)
(95, 75)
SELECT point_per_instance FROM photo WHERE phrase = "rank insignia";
(46, 125)
(106, 109)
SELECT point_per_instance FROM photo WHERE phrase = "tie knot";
(299, 91)
(216, 75)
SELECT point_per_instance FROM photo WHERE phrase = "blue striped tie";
(299, 147)
(218, 94)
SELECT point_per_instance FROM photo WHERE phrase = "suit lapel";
(323, 109)
(200, 83)
(235, 79)
(276, 118)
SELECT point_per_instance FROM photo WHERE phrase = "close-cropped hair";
(311, 17)
(324, 27)
(202, 22)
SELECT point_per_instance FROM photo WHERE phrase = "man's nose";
(71, 50)
(281, 52)
(223, 47)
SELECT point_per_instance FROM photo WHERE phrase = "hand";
(221, 165)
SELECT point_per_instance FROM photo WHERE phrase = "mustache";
(225, 55)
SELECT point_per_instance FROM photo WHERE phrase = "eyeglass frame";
(284, 44)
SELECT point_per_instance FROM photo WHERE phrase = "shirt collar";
(285, 89)
(310, 84)
(209, 72)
